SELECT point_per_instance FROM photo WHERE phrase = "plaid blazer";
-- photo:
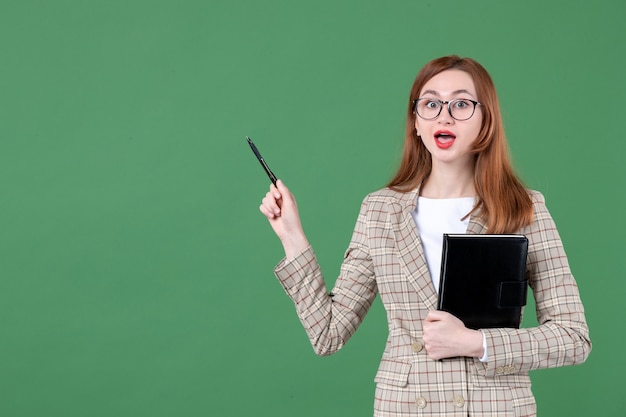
(386, 256)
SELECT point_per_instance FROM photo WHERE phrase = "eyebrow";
(453, 93)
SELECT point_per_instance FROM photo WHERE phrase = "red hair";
(502, 200)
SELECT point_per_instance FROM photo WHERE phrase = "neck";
(449, 183)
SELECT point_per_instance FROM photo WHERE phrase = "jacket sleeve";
(330, 319)
(562, 336)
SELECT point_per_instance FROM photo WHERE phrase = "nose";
(445, 117)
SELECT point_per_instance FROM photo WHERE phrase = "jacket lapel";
(411, 252)
(476, 226)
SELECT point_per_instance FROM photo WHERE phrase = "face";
(448, 140)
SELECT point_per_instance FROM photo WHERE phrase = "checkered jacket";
(385, 257)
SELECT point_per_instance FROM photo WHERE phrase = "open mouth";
(444, 138)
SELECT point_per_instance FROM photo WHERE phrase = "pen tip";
(248, 138)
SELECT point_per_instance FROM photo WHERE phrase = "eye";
(432, 104)
(462, 104)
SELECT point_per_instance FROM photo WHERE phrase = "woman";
(454, 177)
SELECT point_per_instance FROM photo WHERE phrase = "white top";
(434, 217)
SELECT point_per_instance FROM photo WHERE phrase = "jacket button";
(459, 401)
(420, 402)
(417, 347)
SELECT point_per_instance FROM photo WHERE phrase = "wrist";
(476, 346)
(294, 245)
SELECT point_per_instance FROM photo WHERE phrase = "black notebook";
(483, 279)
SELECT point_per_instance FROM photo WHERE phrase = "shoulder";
(387, 195)
(384, 194)
(542, 219)
(536, 197)
(386, 200)
(540, 210)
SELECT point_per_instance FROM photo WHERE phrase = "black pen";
(262, 161)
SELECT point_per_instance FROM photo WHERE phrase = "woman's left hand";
(445, 336)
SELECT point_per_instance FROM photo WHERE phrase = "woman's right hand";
(280, 208)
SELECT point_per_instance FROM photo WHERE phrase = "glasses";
(430, 108)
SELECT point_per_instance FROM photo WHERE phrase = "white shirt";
(434, 217)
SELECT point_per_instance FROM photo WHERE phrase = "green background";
(136, 271)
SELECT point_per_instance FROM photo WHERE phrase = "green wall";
(135, 269)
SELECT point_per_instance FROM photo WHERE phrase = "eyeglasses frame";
(448, 102)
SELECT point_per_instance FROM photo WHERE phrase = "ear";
(417, 128)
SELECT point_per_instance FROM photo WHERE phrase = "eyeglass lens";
(460, 109)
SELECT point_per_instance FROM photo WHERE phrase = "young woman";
(454, 177)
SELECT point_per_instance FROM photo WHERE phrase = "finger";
(280, 185)
(271, 204)
(287, 200)
(267, 213)
(434, 315)
(275, 192)
(286, 195)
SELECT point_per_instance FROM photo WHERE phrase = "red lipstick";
(444, 139)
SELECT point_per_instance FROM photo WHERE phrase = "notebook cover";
(483, 279)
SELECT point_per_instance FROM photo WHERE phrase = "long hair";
(502, 200)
